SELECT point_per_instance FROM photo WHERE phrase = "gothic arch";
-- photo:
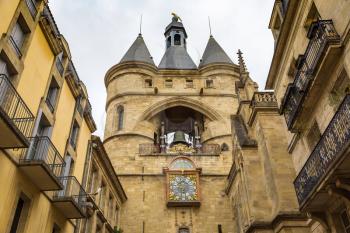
(180, 101)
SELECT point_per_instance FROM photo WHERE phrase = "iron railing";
(326, 153)
(205, 149)
(322, 34)
(32, 7)
(72, 191)
(14, 107)
(41, 149)
(15, 47)
(59, 66)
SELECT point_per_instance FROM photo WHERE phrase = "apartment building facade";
(46, 129)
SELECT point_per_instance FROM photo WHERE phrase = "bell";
(179, 137)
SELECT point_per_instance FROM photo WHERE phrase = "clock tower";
(168, 135)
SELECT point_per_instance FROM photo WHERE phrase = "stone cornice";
(177, 94)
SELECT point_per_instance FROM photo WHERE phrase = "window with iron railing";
(79, 106)
(74, 135)
(52, 94)
(31, 4)
(18, 35)
(59, 64)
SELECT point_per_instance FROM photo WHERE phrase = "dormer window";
(177, 39)
(148, 83)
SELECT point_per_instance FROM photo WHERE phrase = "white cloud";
(100, 31)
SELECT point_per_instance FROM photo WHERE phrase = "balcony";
(72, 199)
(328, 161)
(206, 149)
(32, 7)
(42, 163)
(16, 120)
(322, 35)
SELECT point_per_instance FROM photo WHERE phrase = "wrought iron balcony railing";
(327, 152)
(41, 149)
(13, 106)
(32, 7)
(322, 34)
(205, 149)
(72, 199)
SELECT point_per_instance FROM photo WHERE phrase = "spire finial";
(209, 27)
(176, 18)
(140, 33)
(242, 66)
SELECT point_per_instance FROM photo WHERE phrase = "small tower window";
(148, 83)
(169, 83)
(177, 39)
(120, 111)
(209, 83)
(168, 42)
(189, 83)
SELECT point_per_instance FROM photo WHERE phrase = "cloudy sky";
(99, 32)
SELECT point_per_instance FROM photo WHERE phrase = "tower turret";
(138, 52)
(176, 56)
(214, 53)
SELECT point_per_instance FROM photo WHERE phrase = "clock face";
(183, 188)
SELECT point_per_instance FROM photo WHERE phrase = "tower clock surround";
(182, 180)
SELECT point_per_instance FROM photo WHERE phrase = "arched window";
(120, 111)
(182, 164)
(177, 39)
(184, 230)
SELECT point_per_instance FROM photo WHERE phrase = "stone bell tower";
(168, 135)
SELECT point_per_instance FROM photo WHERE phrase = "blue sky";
(99, 32)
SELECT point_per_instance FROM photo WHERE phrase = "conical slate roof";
(177, 58)
(213, 53)
(138, 52)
